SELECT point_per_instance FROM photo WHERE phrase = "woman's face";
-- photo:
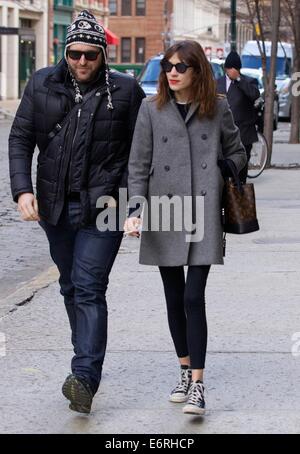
(179, 81)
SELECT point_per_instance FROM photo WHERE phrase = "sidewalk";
(8, 108)
(252, 378)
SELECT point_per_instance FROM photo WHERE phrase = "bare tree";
(270, 92)
(258, 14)
(292, 19)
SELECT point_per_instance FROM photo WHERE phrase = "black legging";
(186, 311)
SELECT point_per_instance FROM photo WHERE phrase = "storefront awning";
(111, 37)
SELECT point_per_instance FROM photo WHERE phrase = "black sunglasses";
(90, 55)
(168, 66)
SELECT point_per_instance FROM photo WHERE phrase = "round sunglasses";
(167, 67)
(90, 55)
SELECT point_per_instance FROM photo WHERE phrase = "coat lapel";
(174, 109)
(191, 111)
(194, 106)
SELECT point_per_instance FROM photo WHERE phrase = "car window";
(254, 76)
(217, 70)
(150, 73)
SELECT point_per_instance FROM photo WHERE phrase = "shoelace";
(184, 382)
(196, 393)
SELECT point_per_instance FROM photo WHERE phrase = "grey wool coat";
(175, 157)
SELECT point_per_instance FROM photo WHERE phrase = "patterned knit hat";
(86, 30)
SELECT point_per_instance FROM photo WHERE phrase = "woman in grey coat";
(180, 137)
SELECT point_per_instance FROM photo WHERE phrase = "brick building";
(143, 28)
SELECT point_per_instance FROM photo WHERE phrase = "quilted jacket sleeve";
(22, 141)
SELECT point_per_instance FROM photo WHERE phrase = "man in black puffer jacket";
(81, 116)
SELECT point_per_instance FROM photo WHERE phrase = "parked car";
(285, 98)
(148, 78)
(259, 103)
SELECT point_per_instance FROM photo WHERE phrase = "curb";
(25, 293)
(292, 165)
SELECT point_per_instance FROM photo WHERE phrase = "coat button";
(203, 193)
(204, 165)
(204, 136)
(165, 139)
(167, 168)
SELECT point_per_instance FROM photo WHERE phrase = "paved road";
(23, 249)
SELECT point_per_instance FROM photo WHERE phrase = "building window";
(113, 7)
(126, 50)
(126, 8)
(140, 50)
(225, 32)
(25, 23)
(112, 53)
(60, 33)
(140, 7)
(63, 3)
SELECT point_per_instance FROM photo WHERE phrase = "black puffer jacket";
(104, 135)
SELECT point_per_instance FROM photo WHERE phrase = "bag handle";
(235, 175)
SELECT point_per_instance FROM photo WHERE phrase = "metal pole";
(233, 25)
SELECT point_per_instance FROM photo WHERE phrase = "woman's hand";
(131, 227)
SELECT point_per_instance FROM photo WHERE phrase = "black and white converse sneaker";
(196, 403)
(180, 392)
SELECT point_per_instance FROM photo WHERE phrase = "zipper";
(76, 130)
(73, 141)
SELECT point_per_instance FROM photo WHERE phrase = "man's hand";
(233, 73)
(131, 227)
(28, 207)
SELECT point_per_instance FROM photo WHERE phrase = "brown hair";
(203, 84)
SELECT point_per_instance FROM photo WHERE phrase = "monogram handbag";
(238, 205)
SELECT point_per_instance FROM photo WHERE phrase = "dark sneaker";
(196, 403)
(79, 393)
(180, 392)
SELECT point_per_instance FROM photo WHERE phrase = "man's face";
(232, 73)
(84, 69)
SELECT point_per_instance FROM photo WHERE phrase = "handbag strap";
(65, 120)
(235, 175)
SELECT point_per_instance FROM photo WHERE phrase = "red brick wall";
(149, 27)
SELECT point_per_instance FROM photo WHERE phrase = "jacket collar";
(193, 108)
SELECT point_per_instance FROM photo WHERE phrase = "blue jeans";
(84, 257)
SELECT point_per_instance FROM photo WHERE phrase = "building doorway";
(26, 61)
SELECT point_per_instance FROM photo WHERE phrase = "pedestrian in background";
(241, 92)
(82, 117)
(179, 137)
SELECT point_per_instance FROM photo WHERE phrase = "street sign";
(9, 31)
